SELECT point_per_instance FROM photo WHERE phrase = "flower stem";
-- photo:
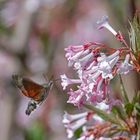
(123, 91)
(121, 39)
(103, 114)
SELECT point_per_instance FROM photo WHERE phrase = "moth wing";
(28, 87)
(33, 89)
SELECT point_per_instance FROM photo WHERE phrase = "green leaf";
(123, 91)
(118, 110)
(78, 132)
(129, 108)
(134, 35)
(5, 30)
(45, 41)
(136, 97)
(35, 132)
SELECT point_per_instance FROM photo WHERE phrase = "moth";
(36, 92)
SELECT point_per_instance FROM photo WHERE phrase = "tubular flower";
(125, 67)
(103, 23)
(95, 132)
(95, 69)
(67, 81)
(74, 122)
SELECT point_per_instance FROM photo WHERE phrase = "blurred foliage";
(35, 132)
(4, 29)
(134, 34)
(117, 7)
(45, 41)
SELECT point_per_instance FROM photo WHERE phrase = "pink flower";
(66, 81)
(73, 53)
(107, 64)
(103, 23)
(76, 97)
(97, 91)
(103, 138)
(95, 65)
(68, 118)
(95, 70)
(75, 49)
(125, 67)
(90, 137)
(74, 122)
(84, 61)
(96, 131)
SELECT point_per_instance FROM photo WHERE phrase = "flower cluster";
(92, 126)
(74, 122)
(96, 65)
(95, 69)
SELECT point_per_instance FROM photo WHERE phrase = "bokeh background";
(33, 35)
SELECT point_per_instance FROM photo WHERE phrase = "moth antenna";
(58, 79)
(45, 77)
(51, 78)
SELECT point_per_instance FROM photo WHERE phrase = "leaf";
(4, 29)
(123, 91)
(136, 97)
(118, 110)
(45, 41)
(134, 35)
(35, 132)
(129, 108)
(78, 132)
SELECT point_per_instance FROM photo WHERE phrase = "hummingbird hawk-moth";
(36, 92)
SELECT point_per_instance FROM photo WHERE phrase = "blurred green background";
(33, 35)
